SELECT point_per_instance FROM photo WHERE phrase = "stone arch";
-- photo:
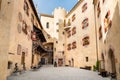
(111, 57)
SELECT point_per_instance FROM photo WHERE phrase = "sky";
(48, 6)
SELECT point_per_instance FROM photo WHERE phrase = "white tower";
(59, 16)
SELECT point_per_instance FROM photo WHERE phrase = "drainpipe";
(94, 3)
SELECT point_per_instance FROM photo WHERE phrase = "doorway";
(103, 61)
(23, 60)
(112, 60)
(72, 62)
(43, 61)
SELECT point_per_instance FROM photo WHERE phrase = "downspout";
(94, 3)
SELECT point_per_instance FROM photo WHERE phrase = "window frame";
(86, 41)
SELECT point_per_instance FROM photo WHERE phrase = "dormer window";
(84, 7)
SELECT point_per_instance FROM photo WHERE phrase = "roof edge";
(77, 4)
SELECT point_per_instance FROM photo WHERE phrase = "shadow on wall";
(113, 36)
(114, 30)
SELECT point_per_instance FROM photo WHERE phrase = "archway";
(112, 60)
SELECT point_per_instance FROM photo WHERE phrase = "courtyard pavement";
(58, 73)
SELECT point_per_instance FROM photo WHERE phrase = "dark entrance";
(42, 61)
(112, 60)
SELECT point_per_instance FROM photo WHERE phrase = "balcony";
(67, 27)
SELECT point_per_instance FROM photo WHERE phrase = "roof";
(46, 15)
(34, 9)
(79, 2)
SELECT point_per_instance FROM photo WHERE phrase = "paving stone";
(58, 73)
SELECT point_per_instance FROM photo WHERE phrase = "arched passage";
(112, 60)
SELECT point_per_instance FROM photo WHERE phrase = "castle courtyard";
(58, 73)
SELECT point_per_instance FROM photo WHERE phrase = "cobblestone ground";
(58, 73)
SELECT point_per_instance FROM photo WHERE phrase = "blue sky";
(48, 6)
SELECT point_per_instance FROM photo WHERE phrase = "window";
(64, 23)
(26, 8)
(85, 23)
(74, 45)
(68, 33)
(9, 64)
(63, 33)
(86, 59)
(69, 47)
(84, 7)
(85, 41)
(69, 23)
(57, 30)
(24, 27)
(98, 9)
(103, 1)
(57, 23)
(32, 18)
(73, 30)
(19, 49)
(73, 17)
(107, 22)
(20, 16)
(47, 25)
(100, 32)
(54, 49)
(33, 36)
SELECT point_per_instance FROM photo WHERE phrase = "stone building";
(73, 33)
(107, 16)
(21, 36)
(89, 32)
